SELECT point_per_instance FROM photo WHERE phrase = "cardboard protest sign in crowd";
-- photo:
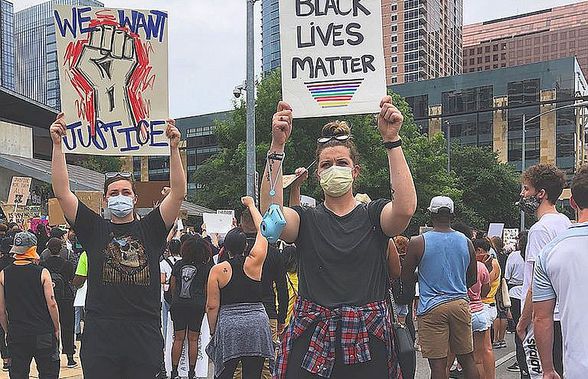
(114, 80)
(332, 57)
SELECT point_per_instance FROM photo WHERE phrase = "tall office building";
(270, 35)
(422, 39)
(37, 75)
(6, 44)
(539, 36)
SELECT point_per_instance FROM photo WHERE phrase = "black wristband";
(392, 145)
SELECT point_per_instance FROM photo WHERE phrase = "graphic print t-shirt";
(191, 280)
(123, 264)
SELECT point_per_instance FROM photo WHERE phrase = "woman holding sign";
(342, 250)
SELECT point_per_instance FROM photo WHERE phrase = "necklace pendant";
(272, 193)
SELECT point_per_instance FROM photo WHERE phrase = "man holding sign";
(122, 336)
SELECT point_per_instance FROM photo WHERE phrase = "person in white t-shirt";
(514, 274)
(542, 185)
(560, 274)
(165, 266)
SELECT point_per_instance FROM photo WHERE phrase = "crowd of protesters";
(334, 298)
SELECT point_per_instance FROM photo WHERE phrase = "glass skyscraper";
(270, 35)
(6, 44)
(37, 74)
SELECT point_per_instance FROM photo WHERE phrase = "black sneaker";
(455, 373)
(514, 367)
(71, 363)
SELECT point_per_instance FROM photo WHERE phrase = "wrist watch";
(391, 145)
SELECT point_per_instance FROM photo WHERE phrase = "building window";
(394, 38)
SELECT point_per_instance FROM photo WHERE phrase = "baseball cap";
(439, 202)
(57, 232)
(23, 241)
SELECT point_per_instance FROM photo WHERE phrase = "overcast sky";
(207, 44)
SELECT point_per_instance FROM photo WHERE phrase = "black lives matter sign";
(332, 56)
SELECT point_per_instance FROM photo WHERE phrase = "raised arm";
(281, 130)
(59, 176)
(171, 204)
(254, 261)
(396, 214)
(393, 260)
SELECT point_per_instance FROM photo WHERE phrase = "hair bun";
(336, 128)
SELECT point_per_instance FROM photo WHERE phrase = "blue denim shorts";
(480, 321)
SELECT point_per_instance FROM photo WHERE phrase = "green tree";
(490, 188)
(223, 176)
(101, 163)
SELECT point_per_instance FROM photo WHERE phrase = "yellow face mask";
(336, 181)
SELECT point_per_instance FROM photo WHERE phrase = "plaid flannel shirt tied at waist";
(356, 324)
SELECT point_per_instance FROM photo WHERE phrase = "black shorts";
(187, 317)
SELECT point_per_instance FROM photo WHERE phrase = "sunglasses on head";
(341, 138)
(110, 175)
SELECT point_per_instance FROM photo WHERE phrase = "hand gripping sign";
(113, 80)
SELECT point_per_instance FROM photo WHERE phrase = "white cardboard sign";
(332, 56)
(113, 79)
(217, 223)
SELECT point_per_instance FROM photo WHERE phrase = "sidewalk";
(70, 373)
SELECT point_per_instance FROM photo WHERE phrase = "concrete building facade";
(543, 35)
(37, 75)
(486, 109)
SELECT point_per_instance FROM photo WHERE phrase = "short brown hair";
(546, 177)
(580, 187)
(114, 179)
(337, 128)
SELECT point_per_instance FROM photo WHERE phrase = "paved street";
(504, 357)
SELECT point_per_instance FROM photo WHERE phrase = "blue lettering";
(99, 133)
(67, 24)
(89, 137)
(84, 19)
(153, 26)
(110, 126)
(159, 25)
(129, 146)
(154, 133)
(123, 20)
(72, 128)
(140, 125)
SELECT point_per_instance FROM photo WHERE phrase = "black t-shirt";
(123, 264)
(190, 281)
(342, 260)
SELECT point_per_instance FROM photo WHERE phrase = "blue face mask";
(120, 206)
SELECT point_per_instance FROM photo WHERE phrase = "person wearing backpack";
(166, 265)
(62, 273)
(188, 288)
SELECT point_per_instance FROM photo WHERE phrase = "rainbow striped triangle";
(333, 93)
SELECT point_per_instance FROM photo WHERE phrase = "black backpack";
(58, 285)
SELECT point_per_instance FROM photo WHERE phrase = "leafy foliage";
(223, 176)
(101, 163)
